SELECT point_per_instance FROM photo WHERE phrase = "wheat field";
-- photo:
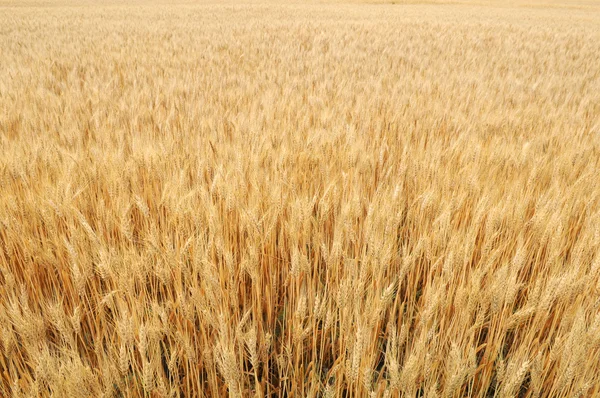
(324, 199)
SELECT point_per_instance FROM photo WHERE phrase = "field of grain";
(299, 200)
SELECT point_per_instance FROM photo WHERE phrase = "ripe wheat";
(280, 199)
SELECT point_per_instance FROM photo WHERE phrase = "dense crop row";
(299, 200)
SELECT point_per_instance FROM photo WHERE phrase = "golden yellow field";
(286, 199)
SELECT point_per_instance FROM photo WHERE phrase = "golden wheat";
(281, 199)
